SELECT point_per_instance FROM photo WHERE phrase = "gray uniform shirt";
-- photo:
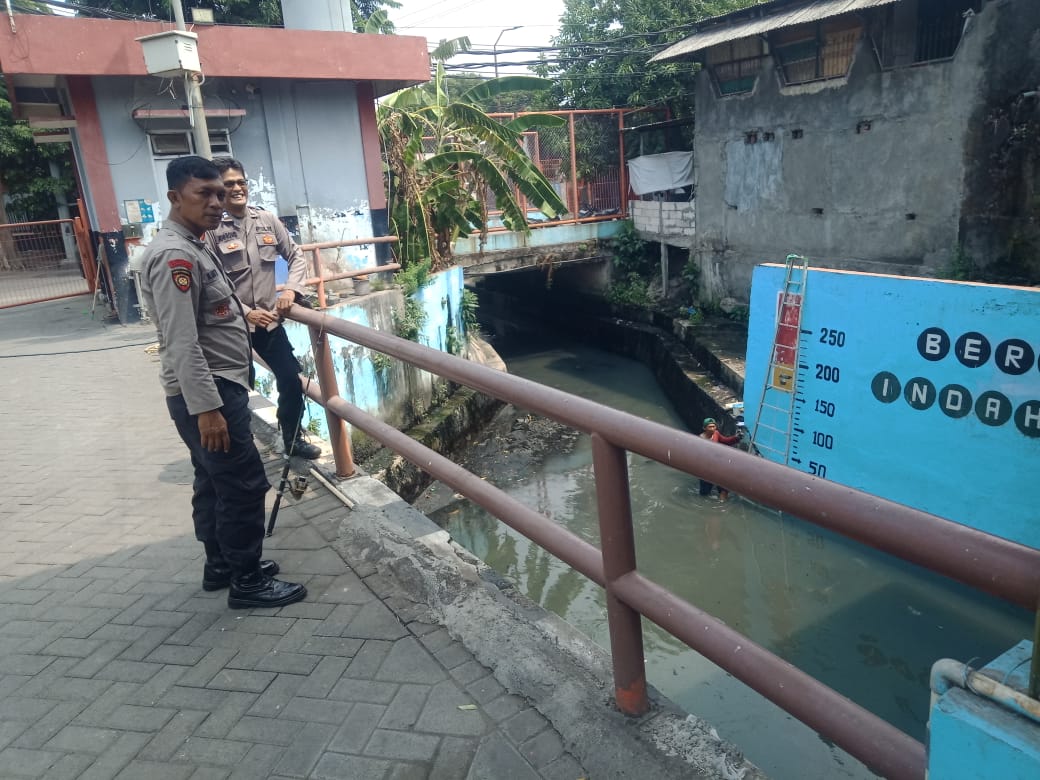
(202, 331)
(248, 248)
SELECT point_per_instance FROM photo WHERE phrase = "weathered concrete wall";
(873, 180)
(674, 223)
(546, 236)
(397, 394)
(1000, 221)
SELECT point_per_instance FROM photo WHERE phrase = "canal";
(866, 624)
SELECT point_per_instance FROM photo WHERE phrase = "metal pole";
(1034, 667)
(326, 372)
(193, 89)
(494, 48)
(619, 558)
(574, 171)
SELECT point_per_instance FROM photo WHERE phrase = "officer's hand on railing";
(261, 318)
(284, 302)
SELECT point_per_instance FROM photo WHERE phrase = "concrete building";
(889, 136)
(296, 105)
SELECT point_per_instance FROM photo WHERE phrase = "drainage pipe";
(947, 673)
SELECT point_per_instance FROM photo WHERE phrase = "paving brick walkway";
(114, 663)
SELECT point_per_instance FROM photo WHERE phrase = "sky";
(482, 21)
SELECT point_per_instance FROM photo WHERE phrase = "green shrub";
(380, 362)
(409, 323)
(633, 255)
(633, 291)
(691, 276)
(469, 306)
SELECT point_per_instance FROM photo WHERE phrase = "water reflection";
(865, 624)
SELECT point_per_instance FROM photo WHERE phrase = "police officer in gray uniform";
(206, 373)
(248, 241)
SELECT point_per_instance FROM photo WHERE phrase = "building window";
(179, 143)
(814, 52)
(927, 32)
(734, 66)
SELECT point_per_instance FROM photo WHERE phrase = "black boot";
(258, 590)
(216, 574)
(302, 448)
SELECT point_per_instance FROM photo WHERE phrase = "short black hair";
(225, 164)
(182, 169)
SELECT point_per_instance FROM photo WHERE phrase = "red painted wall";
(370, 144)
(93, 157)
(103, 47)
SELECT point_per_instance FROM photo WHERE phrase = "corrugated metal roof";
(720, 33)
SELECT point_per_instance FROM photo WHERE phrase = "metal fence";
(987, 563)
(584, 161)
(44, 260)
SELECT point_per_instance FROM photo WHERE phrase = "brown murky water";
(866, 624)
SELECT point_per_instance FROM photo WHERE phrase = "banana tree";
(444, 154)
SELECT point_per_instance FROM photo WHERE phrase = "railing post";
(1034, 667)
(576, 203)
(617, 541)
(320, 273)
(326, 372)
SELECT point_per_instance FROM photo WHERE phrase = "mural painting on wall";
(922, 391)
(321, 225)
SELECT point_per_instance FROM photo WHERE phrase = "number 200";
(828, 373)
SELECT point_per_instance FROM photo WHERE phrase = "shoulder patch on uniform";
(180, 271)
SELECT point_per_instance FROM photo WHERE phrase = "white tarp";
(657, 172)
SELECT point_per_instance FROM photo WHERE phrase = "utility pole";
(193, 89)
(494, 49)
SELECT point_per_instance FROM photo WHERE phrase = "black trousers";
(274, 347)
(229, 488)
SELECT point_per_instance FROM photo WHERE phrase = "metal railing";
(45, 260)
(996, 566)
(317, 267)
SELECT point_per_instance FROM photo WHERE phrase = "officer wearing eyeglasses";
(248, 241)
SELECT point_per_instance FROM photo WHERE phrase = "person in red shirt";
(712, 433)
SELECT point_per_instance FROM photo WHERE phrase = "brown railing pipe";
(878, 744)
(350, 242)
(326, 372)
(1006, 569)
(996, 566)
(569, 548)
(316, 280)
(314, 249)
(618, 544)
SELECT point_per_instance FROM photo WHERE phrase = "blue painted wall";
(391, 393)
(922, 391)
(971, 738)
